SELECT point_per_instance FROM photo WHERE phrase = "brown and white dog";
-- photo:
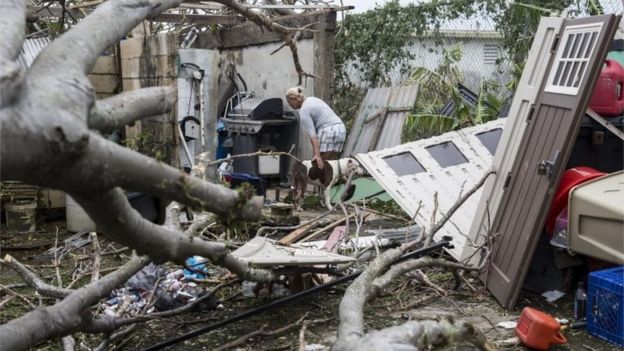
(333, 172)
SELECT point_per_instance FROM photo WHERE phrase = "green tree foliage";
(518, 23)
(442, 85)
(375, 43)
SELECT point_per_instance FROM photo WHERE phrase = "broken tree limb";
(95, 257)
(421, 335)
(374, 278)
(107, 324)
(331, 225)
(33, 280)
(87, 39)
(20, 296)
(64, 317)
(401, 268)
(136, 172)
(45, 141)
(113, 214)
(266, 22)
(120, 110)
(262, 332)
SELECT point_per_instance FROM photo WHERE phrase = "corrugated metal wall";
(380, 119)
(30, 50)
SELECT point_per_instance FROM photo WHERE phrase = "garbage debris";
(507, 324)
(170, 289)
(553, 295)
(254, 289)
(399, 235)
(197, 264)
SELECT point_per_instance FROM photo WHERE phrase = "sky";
(365, 5)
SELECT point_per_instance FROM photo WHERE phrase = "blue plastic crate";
(605, 305)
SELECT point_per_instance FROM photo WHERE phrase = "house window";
(447, 154)
(490, 139)
(490, 53)
(572, 58)
(404, 163)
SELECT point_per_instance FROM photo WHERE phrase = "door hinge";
(555, 43)
(530, 115)
(507, 181)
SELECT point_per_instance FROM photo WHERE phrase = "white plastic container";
(77, 219)
(268, 165)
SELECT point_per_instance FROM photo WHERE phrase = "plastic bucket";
(21, 215)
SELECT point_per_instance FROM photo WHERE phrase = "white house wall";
(473, 64)
(271, 75)
(414, 192)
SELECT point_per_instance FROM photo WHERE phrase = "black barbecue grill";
(257, 124)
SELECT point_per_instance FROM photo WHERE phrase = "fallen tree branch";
(95, 256)
(373, 280)
(64, 317)
(18, 295)
(114, 215)
(120, 110)
(262, 332)
(31, 279)
(266, 22)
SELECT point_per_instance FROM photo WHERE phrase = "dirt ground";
(404, 301)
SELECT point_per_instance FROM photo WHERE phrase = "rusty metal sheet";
(380, 120)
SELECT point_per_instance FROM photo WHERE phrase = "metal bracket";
(546, 167)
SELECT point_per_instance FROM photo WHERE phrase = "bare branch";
(113, 214)
(93, 34)
(122, 109)
(116, 165)
(459, 202)
(108, 324)
(33, 280)
(96, 257)
(266, 22)
(399, 269)
(65, 316)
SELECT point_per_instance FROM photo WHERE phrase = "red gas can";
(608, 97)
(538, 330)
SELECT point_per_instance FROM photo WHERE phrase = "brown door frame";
(509, 268)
